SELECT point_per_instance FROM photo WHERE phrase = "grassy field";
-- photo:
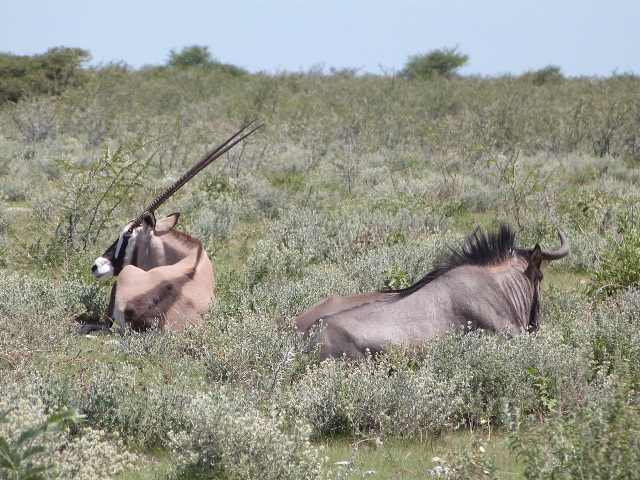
(355, 184)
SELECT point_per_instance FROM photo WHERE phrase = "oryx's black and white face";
(116, 256)
(122, 251)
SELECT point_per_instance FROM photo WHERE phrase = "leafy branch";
(519, 188)
(90, 196)
(19, 458)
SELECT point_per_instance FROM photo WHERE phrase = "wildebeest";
(488, 284)
(164, 275)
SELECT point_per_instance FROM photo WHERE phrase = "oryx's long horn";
(220, 150)
(562, 252)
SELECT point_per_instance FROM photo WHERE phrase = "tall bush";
(441, 62)
(619, 266)
(598, 440)
(91, 195)
(49, 73)
(227, 436)
(192, 56)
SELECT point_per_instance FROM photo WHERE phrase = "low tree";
(548, 74)
(436, 63)
(62, 65)
(192, 56)
(199, 56)
(49, 73)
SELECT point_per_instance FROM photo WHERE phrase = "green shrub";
(440, 62)
(339, 398)
(37, 444)
(5, 240)
(48, 73)
(600, 439)
(193, 56)
(614, 336)
(619, 266)
(200, 56)
(549, 74)
(92, 194)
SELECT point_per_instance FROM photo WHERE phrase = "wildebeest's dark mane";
(484, 250)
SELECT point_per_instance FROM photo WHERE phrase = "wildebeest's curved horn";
(220, 150)
(562, 252)
(466, 246)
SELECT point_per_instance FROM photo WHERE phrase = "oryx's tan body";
(164, 276)
(172, 284)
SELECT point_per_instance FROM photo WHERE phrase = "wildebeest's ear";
(536, 258)
(167, 223)
(148, 222)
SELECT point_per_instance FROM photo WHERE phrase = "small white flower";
(439, 470)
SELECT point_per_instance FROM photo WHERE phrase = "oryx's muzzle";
(111, 262)
(102, 269)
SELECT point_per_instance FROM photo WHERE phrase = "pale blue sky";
(583, 38)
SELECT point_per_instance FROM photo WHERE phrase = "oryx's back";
(174, 293)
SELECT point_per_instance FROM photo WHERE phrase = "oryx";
(488, 284)
(164, 276)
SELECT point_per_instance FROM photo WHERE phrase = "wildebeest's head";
(498, 250)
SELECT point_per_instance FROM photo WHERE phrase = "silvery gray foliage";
(298, 287)
(113, 398)
(213, 220)
(82, 453)
(335, 234)
(307, 237)
(36, 119)
(5, 241)
(338, 398)
(253, 352)
(494, 371)
(598, 440)
(226, 434)
(356, 185)
(45, 306)
(453, 381)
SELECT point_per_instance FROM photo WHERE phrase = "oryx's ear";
(148, 222)
(167, 223)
